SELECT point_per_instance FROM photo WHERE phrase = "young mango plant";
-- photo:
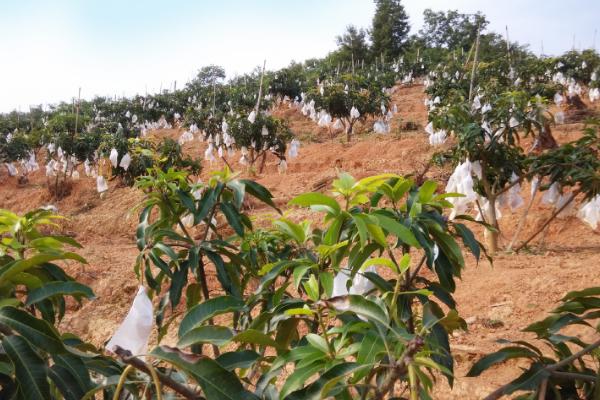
(371, 337)
(184, 237)
(571, 170)
(38, 362)
(571, 370)
(14, 148)
(283, 300)
(350, 99)
(492, 146)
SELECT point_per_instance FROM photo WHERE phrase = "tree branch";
(498, 393)
(185, 391)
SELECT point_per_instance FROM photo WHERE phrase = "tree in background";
(390, 28)
(352, 45)
(207, 77)
(451, 30)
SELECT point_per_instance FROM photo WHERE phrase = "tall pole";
(474, 64)
(508, 46)
(77, 113)
(260, 87)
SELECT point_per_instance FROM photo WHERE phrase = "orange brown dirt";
(496, 301)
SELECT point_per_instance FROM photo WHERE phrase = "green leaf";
(287, 331)
(468, 239)
(318, 202)
(167, 250)
(76, 368)
(317, 342)
(216, 382)
(361, 227)
(59, 288)
(17, 266)
(379, 261)
(528, 380)
(326, 279)
(71, 376)
(426, 191)
(205, 205)
(217, 335)
(208, 309)
(322, 386)
(502, 355)
(377, 234)
(299, 311)
(30, 369)
(399, 230)
(186, 200)
(362, 306)
(295, 231)
(299, 377)
(239, 191)
(311, 286)
(37, 331)
(370, 347)
(65, 383)
(238, 359)
(592, 291)
(233, 218)
(260, 192)
(252, 336)
(299, 273)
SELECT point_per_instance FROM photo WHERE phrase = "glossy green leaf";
(216, 382)
(59, 288)
(30, 369)
(208, 309)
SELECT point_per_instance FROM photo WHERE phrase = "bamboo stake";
(554, 215)
(522, 221)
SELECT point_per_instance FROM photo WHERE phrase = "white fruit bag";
(101, 184)
(125, 161)
(590, 212)
(134, 331)
(114, 156)
(361, 285)
(12, 170)
(252, 117)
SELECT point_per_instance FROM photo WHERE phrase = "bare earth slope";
(497, 301)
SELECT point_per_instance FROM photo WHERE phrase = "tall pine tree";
(390, 29)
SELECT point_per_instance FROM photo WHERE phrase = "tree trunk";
(492, 236)
(262, 162)
(349, 131)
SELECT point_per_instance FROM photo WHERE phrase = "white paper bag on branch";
(134, 332)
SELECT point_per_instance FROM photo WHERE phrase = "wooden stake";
(522, 222)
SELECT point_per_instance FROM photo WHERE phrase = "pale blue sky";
(107, 47)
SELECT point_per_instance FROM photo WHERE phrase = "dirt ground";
(496, 301)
